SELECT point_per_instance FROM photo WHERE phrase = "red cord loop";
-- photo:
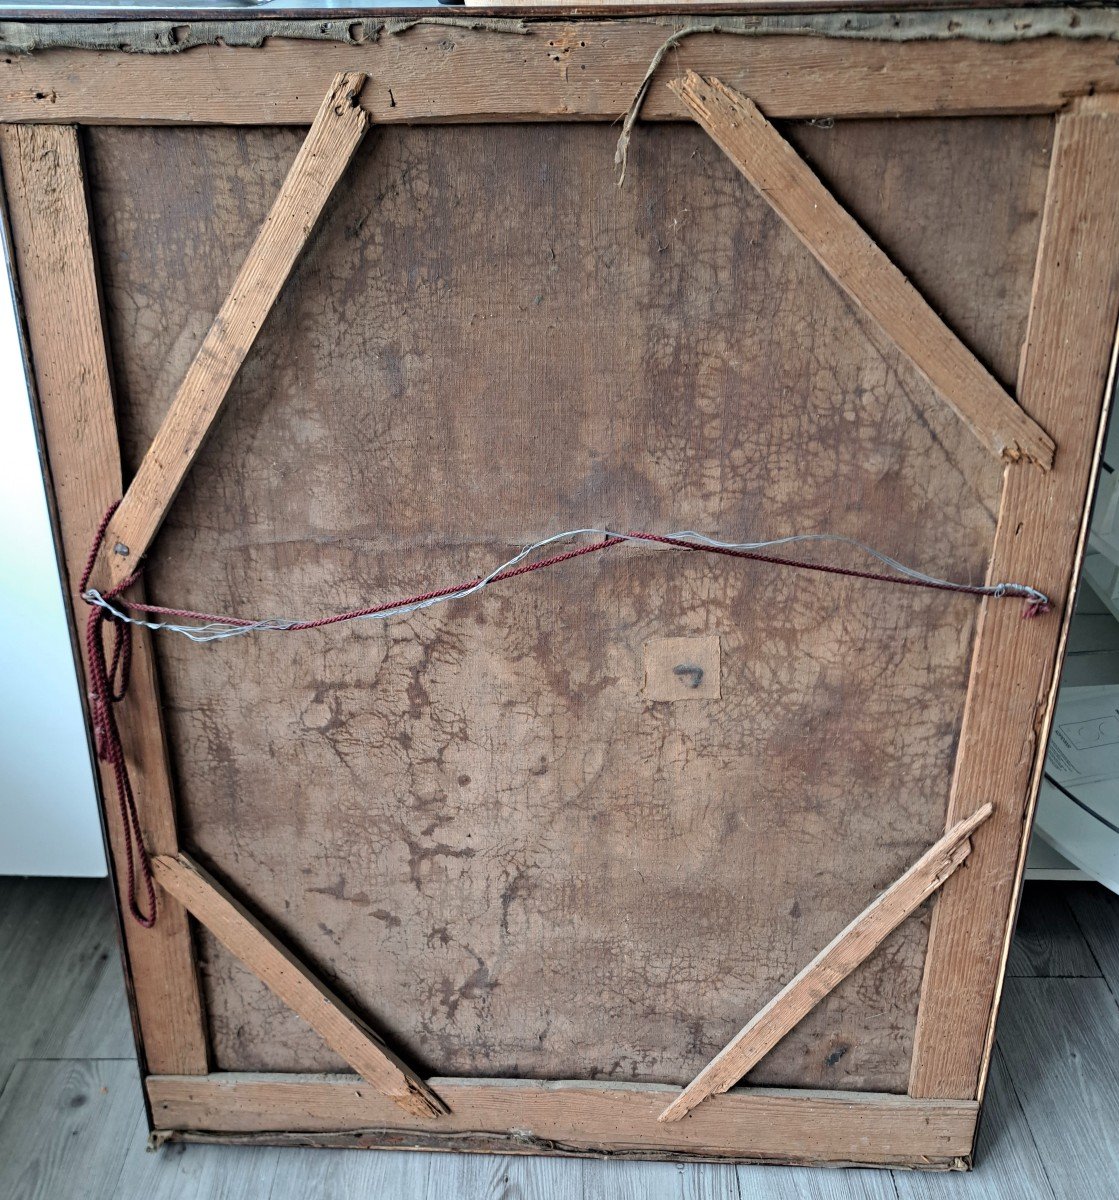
(108, 685)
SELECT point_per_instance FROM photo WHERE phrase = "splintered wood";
(524, 1116)
(342, 1029)
(554, 70)
(337, 132)
(830, 967)
(860, 267)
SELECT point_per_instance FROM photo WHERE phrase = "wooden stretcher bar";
(335, 134)
(1066, 380)
(56, 276)
(558, 69)
(515, 1116)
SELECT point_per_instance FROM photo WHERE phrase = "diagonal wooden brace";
(341, 1028)
(830, 967)
(862, 269)
(336, 133)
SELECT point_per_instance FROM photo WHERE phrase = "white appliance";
(48, 810)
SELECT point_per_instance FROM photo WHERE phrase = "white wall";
(48, 810)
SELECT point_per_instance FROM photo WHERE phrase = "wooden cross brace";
(847, 950)
(279, 970)
(861, 268)
(336, 133)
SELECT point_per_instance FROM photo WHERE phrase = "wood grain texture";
(1097, 914)
(847, 950)
(57, 284)
(1064, 1098)
(1067, 1097)
(1058, 1039)
(754, 1182)
(484, 789)
(337, 131)
(864, 272)
(1042, 525)
(341, 1028)
(1048, 942)
(1006, 1163)
(521, 1116)
(250, 1173)
(70, 1002)
(229, 1172)
(560, 70)
(65, 1121)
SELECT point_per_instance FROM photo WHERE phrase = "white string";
(214, 631)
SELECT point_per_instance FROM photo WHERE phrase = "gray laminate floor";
(71, 1125)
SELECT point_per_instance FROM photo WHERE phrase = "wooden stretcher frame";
(589, 69)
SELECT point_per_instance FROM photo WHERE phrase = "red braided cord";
(187, 614)
(970, 589)
(1032, 609)
(108, 684)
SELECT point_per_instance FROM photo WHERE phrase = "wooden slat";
(337, 131)
(830, 967)
(576, 1117)
(56, 279)
(341, 1028)
(862, 269)
(1041, 529)
(563, 69)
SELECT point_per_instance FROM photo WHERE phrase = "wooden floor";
(71, 1123)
